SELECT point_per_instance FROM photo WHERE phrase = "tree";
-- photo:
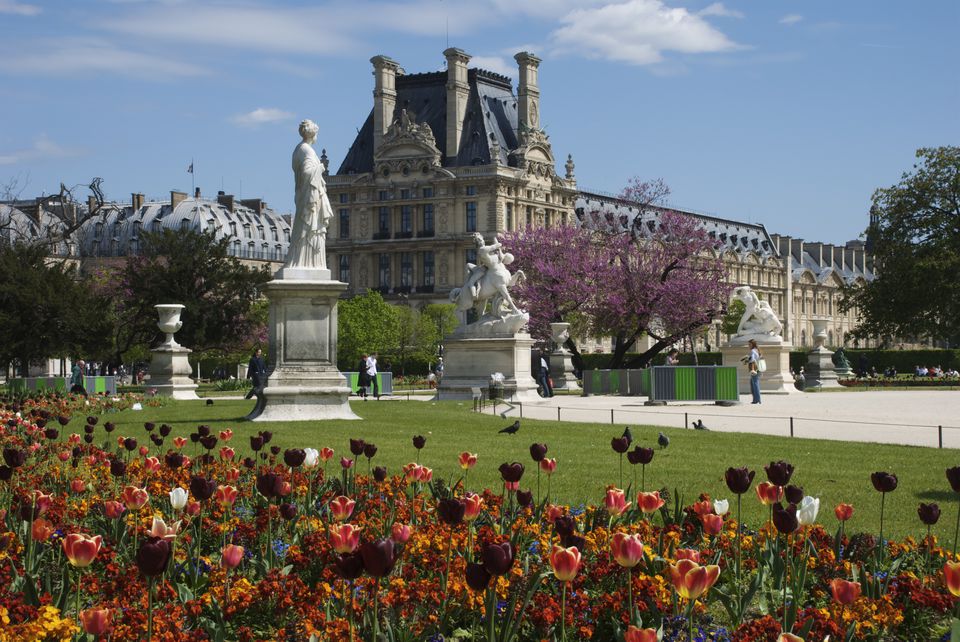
(443, 317)
(731, 320)
(366, 324)
(915, 238)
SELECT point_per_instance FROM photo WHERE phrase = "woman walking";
(753, 362)
(362, 379)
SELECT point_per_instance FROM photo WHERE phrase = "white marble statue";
(308, 236)
(758, 319)
(487, 281)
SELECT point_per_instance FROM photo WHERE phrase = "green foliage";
(366, 324)
(601, 361)
(903, 360)
(916, 248)
(731, 320)
(45, 310)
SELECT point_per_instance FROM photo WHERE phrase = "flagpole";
(193, 178)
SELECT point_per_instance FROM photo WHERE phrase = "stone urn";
(559, 333)
(169, 322)
(819, 332)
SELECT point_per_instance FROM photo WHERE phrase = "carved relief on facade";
(443, 273)
(363, 222)
(407, 148)
(442, 219)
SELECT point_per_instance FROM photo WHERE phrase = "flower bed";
(198, 537)
(901, 382)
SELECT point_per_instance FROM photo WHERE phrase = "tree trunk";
(643, 360)
(576, 358)
(620, 347)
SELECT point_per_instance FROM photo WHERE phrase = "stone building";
(441, 156)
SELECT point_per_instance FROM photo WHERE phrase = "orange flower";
(548, 465)
(845, 592)
(627, 549)
(80, 549)
(344, 538)
(551, 513)
(692, 580)
(650, 502)
(712, 524)
(467, 460)
(96, 621)
(341, 508)
(134, 498)
(472, 504)
(231, 556)
(225, 495)
(843, 512)
(951, 573)
(616, 502)
(565, 562)
(703, 508)
(113, 509)
(769, 493)
(326, 454)
(41, 530)
(634, 634)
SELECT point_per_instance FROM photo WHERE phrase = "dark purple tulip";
(269, 485)
(288, 511)
(450, 511)
(378, 557)
(267, 436)
(478, 579)
(274, 450)
(153, 556)
(109, 426)
(497, 558)
(574, 540)
(356, 447)
(369, 450)
(51, 433)
(739, 480)
(208, 441)
(92, 420)
(248, 462)
(256, 442)
(419, 441)
(794, 494)
(565, 525)
(130, 443)
(207, 459)
(779, 472)
(953, 476)
(6, 473)
(929, 513)
(165, 430)
(88, 430)
(294, 457)
(379, 473)
(202, 488)
(620, 444)
(785, 519)
(117, 468)
(148, 426)
(640, 455)
(157, 440)
(173, 460)
(63, 420)
(538, 451)
(88, 439)
(511, 472)
(77, 451)
(41, 423)
(15, 457)
(349, 566)
(203, 430)
(195, 437)
(524, 497)
(884, 482)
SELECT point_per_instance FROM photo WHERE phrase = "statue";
(313, 213)
(840, 361)
(759, 318)
(487, 281)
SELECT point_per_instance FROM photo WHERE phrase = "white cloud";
(495, 64)
(791, 19)
(637, 32)
(18, 8)
(717, 9)
(75, 55)
(261, 116)
(43, 148)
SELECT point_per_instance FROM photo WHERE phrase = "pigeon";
(663, 440)
(628, 434)
(512, 428)
(209, 402)
(698, 425)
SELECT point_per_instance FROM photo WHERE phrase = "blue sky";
(783, 112)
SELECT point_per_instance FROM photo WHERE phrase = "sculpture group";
(758, 318)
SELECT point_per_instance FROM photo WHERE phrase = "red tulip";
(344, 538)
(231, 556)
(843, 512)
(627, 549)
(951, 573)
(341, 508)
(134, 498)
(712, 524)
(179, 442)
(226, 453)
(77, 485)
(472, 505)
(226, 435)
(41, 502)
(548, 465)
(703, 508)
(346, 463)
(692, 580)
(551, 513)
(467, 460)
(326, 454)
(426, 474)
(225, 495)
(565, 562)
(616, 502)
(768, 493)
(151, 464)
(41, 530)
(64, 455)
(233, 475)
(193, 508)
(144, 451)
(687, 554)
(81, 550)
(512, 486)
(113, 509)
(96, 621)
(634, 634)
(650, 502)
(844, 592)
(400, 533)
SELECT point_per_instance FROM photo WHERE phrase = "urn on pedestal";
(170, 367)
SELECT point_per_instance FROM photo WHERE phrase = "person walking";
(753, 363)
(76, 378)
(372, 374)
(438, 370)
(362, 380)
(544, 378)
(257, 373)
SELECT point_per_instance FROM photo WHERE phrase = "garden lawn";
(694, 462)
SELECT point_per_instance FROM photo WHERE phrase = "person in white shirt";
(372, 374)
(753, 362)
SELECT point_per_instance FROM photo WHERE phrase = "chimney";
(226, 200)
(196, 193)
(458, 91)
(385, 71)
(177, 197)
(91, 203)
(136, 201)
(528, 91)
(256, 204)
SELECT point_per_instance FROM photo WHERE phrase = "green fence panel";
(686, 384)
(727, 384)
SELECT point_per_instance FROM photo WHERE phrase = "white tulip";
(178, 498)
(721, 506)
(808, 509)
(313, 456)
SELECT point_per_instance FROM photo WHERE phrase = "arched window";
(184, 224)
(803, 338)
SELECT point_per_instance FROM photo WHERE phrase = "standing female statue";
(308, 237)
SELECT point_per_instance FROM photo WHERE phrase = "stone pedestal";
(304, 383)
(777, 380)
(819, 370)
(170, 372)
(561, 360)
(468, 363)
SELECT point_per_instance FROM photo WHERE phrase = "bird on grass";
(628, 434)
(699, 425)
(209, 402)
(663, 440)
(512, 428)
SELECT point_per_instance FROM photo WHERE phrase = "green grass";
(693, 463)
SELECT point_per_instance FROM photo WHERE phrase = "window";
(135, 247)
(406, 219)
(236, 247)
(471, 190)
(472, 256)
(404, 194)
(277, 252)
(246, 231)
(383, 195)
(273, 234)
(260, 232)
(344, 223)
(384, 271)
(98, 231)
(251, 250)
(471, 216)
(184, 224)
(509, 216)
(428, 192)
(406, 269)
(116, 228)
(383, 220)
(345, 268)
(344, 198)
(286, 236)
(233, 229)
(428, 269)
(136, 228)
(428, 218)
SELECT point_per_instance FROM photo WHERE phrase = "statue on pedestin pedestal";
(486, 291)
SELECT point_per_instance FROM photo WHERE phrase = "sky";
(788, 113)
